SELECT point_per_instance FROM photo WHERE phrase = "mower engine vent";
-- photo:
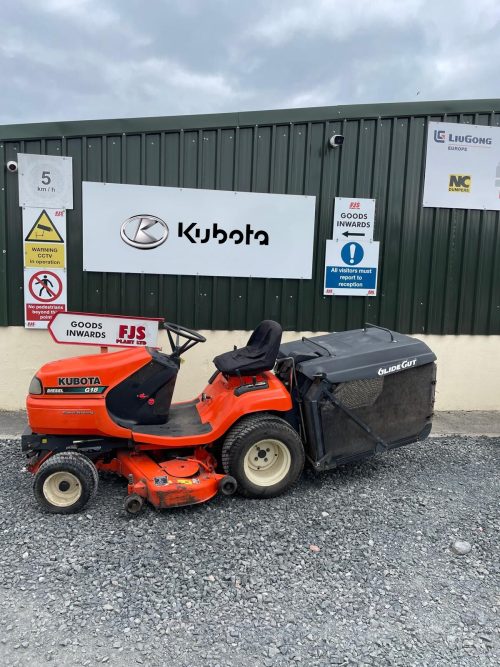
(359, 393)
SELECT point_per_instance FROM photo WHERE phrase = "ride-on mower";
(330, 400)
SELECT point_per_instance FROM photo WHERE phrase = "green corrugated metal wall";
(439, 268)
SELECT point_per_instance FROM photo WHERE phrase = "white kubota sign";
(104, 330)
(179, 231)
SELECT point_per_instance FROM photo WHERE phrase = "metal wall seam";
(84, 178)
(403, 287)
(494, 319)
(4, 301)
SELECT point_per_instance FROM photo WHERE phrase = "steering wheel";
(192, 337)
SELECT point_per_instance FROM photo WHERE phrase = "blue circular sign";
(352, 253)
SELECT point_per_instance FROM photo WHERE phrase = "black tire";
(95, 474)
(267, 434)
(64, 473)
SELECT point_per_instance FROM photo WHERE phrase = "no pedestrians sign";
(44, 295)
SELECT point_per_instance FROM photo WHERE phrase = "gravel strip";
(352, 567)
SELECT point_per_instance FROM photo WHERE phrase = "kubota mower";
(331, 399)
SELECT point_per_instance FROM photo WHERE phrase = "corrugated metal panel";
(439, 268)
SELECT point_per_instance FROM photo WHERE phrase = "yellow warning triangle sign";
(44, 230)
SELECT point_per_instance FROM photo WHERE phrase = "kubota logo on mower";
(77, 385)
(66, 382)
(144, 231)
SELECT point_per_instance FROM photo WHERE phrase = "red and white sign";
(45, 286)
(104, 330)
(353, 219)
(44, 296)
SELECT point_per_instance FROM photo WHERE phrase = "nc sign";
(159, 230)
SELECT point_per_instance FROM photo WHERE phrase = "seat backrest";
(265, 338)
(257, 356)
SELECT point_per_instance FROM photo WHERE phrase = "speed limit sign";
(45, 181)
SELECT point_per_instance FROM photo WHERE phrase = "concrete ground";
(473, 423)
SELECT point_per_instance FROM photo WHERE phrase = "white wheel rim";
(62, 489)
(267, 462)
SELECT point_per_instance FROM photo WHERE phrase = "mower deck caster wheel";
(133, 504)
(228, 485)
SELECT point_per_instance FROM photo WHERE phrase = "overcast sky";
(76, 59)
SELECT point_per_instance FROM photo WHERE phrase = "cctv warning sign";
(44, 238)
(44, 229)
(38, 254)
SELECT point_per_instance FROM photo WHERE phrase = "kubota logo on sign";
(148, 231)
(194, 234)
(144, 231)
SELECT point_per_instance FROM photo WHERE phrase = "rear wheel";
(65, 483)
(264, 454)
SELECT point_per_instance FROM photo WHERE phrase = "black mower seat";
(257, 356)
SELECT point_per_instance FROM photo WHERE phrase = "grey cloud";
(71, 59)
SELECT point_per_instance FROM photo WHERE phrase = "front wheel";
(264, 454)
(65, 483)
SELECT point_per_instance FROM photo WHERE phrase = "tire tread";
(75, 462)
(244, 428)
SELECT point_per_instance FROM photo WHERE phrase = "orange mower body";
(331, 399)
(115, 409)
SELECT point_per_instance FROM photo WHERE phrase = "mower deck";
(171, 483)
